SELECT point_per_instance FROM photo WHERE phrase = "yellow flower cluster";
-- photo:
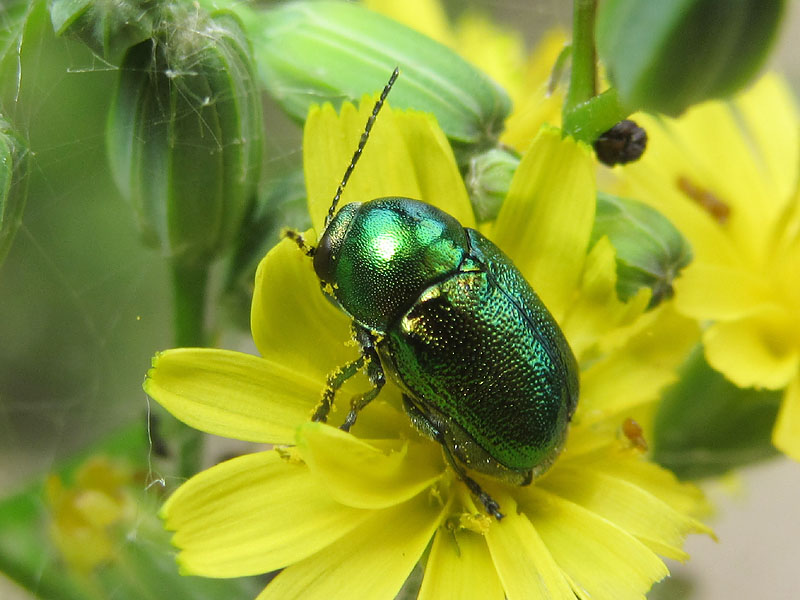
(726, 174)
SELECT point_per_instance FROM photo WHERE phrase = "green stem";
(189, 282)
(585, 114)
(189, 303)
(583, 76)
(588, 120)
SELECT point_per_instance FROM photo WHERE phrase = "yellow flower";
(84, 516)
(726, 174)
(349, 515)
(499, 52)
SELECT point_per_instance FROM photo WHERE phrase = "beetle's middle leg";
(338, 377)
(335, 380)
(374, 372)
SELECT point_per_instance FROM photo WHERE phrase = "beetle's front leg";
(299, 239)
(375, 373)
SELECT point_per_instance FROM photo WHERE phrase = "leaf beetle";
(483, 367)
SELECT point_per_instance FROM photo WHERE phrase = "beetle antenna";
(361, 143)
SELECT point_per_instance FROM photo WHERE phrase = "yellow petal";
(232, 394)
(634, 374)
(365, 474)
(407, 155)
(523, 561)
(426, 16)
(786, 435)
(597, 309)
(292, 322)
(656, 179)
(602, 561)
(440, 182)
(253, 514)
(631, 508)
(722, 160)
(759, 350)
(546, 219)
(536, 105)
(766, 108)
(708, 291)
(370, 562)
(621, 463)
(459, 566)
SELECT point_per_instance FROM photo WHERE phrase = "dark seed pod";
(625, 142)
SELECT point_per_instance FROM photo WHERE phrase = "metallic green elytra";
(438, 308)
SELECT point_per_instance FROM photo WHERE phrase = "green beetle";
(483, 366)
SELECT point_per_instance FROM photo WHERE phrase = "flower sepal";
(651, 252)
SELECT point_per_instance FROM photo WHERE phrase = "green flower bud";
(314, 52)
(488, 179)
(184, 133)
(666, 55)
(109, 27)
(281, 201)
(14, 169)
(650, 251)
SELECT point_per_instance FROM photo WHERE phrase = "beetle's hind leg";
(299, 239)
(424, 424)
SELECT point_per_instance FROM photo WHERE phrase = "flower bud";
(650, 251)
(488, 179)
(665, 55)
(109, 27)
(14, 169)
(315, 52)
(184, 133)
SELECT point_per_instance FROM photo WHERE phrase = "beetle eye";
(323, 263)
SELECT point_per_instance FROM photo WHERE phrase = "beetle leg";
(376, 376)
(489, 503)
(424, 424)
(335, 380)
(374, 372)
(300, 240)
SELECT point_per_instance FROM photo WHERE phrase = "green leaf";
(315, 52)
(665, 55)
(705, 425)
